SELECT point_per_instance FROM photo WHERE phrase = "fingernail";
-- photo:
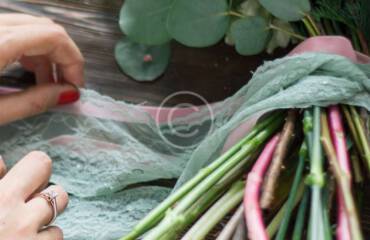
(68, 97)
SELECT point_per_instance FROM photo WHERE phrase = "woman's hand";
(45, 48)
(23, 216)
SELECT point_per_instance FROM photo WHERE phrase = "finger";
(2, 167)
(35, 100)
(13, 19)
(49, 40)
(41, 66)
(50, 233)
(27, 176)
(41, 212)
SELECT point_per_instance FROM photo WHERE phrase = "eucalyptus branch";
(273, 173)
(235, 14)
(240, 231)
(290, 33)
(352, 128)
(342, 180)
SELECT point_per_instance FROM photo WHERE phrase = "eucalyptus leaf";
(250, 35)
(288, 10)
(142, 62)
(198, 23)
(144, 21)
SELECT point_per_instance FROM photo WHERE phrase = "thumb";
(35, 100)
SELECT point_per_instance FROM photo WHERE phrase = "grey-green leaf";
(288, 10)
(144, 21)
(250, 35)
(198, 23)
(142, 62)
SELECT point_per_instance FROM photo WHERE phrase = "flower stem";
(274, 224)
(316, 179)
(274, 170)
(300, 219)
(253, 212)
(158, 213)
(281, 235)
(361, 133)
(215, 214)
(228, 231)
(342, 179)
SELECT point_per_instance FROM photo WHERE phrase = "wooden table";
(214, 73)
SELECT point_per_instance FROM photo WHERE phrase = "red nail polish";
(68, 97)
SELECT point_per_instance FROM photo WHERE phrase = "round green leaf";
(198, 23)
(144, 21)
(288, 10)
(142, 62)
(250, 35)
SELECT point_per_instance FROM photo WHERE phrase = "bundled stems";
(261, 131)
(281, 235)
(213, 175)
(343, 182)
(215, 214)
(275, 168)
(253, 212)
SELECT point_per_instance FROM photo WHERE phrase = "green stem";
(290, 33)
(281, 235)
(216, 213)
(274, 224)
(310, 29)
(158, 213)
(316, 178)
(361, 133)
(352, 129)
(235, 14)
(300, 219)
(199, 207)
(343, 181)
(214, 175)
(313, 24)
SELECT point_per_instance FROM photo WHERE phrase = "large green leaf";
(144, 21)
(142, 62)
(198, 23)
(288, 10)
(250, 35)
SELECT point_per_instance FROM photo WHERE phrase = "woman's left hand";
(42, 47)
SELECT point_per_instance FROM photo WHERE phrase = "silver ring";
(51, 198)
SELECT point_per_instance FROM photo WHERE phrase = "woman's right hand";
(23, 214)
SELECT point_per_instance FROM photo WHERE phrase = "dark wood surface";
(214, 73)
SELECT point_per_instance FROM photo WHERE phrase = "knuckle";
(42, 158)
(59, 32)
(46, 20)
(37, 105)
(58, 234)
(6, 197)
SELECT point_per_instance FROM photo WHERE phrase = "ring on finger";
(51, 198)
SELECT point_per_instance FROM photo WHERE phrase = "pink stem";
(253, 212)
(339, 140)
